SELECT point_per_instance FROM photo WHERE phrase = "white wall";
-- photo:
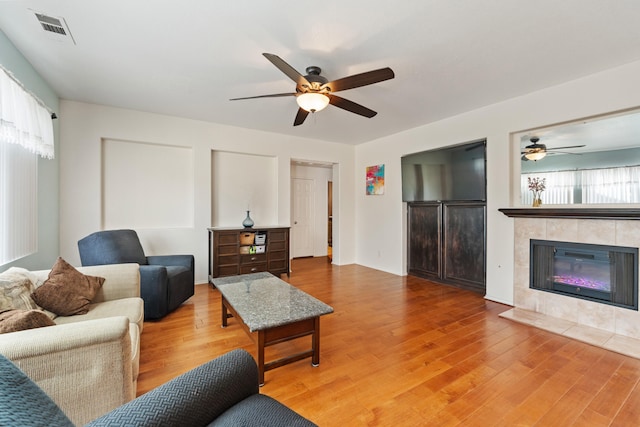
(83, 127)
(381, 220)
(321, 177)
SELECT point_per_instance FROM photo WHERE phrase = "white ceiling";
(187, 58)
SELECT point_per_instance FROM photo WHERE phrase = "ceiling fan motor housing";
(313, 76)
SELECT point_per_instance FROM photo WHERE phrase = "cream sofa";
(88, 364)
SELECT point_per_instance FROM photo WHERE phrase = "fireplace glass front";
(606, 274)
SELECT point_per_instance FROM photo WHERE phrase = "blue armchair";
(166, 281)
(222, 392)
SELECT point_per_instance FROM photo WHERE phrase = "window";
(18, 202)
(588, 186)
(26, 131)
(613, 185)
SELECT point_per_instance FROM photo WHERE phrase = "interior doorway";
(312, 209)
(303, 217)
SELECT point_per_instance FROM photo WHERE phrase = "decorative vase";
(248, 222)
(537, 202)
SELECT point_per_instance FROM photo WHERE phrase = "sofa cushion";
(133, 308)
(260, 410)
(67, 291)
(19, 320)
(15, 290)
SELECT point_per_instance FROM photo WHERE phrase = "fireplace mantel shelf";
(575, 213)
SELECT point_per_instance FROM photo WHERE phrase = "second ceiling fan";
(536, 151)
(314, 92)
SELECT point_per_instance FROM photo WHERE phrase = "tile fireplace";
(610, 326)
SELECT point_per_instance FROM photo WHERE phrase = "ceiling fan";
(314, 92)
(536, 151)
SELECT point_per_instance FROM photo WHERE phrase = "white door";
(303, 195)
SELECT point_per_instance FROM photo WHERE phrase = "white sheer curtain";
(26, 131)
(24, 120)
(613, 185)
(610, 185)
(559, 190)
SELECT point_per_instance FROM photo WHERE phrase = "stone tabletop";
(264, 301)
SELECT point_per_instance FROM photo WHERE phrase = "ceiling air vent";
(50, 23)
(55, 27)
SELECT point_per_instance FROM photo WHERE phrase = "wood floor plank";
(607, 401)
(404, 351)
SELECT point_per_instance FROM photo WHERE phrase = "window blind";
(26, 132)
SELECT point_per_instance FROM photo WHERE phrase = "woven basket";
(247, 238)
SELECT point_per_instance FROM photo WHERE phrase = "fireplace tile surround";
(607, 326)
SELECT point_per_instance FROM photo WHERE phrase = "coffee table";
(276, 311)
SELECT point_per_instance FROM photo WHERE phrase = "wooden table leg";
(224, 314)
(315, 342)
(261, 358)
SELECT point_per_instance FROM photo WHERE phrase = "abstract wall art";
(375, 180)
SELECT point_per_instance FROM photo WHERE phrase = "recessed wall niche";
(146, 185)
(241, 182)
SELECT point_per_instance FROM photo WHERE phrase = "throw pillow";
(67, 291)
(15, 290)
(19, 320)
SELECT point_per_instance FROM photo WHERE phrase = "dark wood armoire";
(447, 242)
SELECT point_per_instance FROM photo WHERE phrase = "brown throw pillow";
(67, 291)
(19, 320)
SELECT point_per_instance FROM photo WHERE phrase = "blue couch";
(222, 392)
(166, 281)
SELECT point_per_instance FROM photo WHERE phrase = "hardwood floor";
(408, 352)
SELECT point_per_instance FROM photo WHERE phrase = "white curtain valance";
(24, 119)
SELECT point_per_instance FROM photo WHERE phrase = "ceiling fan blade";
(287, 69)
(362, 79)
(565, 152)
(524, 159)
(275, 95)
(570, 146)
(302, 114)
(351, 106)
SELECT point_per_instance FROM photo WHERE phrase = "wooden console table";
(229, 255)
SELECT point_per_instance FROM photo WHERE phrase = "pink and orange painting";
(375, 180)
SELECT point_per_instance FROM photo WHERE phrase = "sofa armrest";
(85, 367)
(195, 398)
(177, 260)
(154, 289)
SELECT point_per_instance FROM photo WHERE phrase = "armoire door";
(464, 245)
(424, 224)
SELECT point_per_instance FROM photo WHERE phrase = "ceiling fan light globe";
(312, 101)
(536, 155)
